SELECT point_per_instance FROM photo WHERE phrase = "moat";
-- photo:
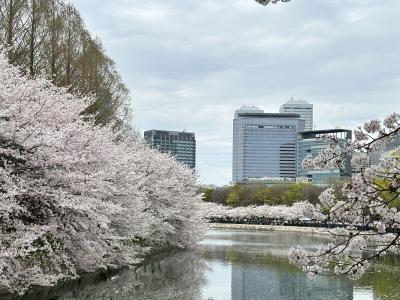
(231, 264)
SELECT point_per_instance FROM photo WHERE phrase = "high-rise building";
(389, 145)
(264, 145)
(180, 144)
(311, 144)
(303, 108)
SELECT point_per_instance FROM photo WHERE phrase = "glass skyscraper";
(311, 144)
(180, 144)
(390, 145)
(301, 107)
(264, 145)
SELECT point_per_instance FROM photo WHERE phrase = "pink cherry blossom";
(76, 197)
(367, 201)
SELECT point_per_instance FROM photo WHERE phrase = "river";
(231, 264)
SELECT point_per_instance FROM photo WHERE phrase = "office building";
(180, 144)
(303, 108)
(311, 144)
(389, 146)
(264, 145)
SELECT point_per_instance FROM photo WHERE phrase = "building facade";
(303, 108)
(310, 145)
(264, 145)
(180, 144)
(389, 145)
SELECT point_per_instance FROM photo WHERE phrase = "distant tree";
(259, 194)
(207, 193)
(219, 195)
(264, 196)
(292, 194)
(48, 38)
(233, 198)
(311, 193)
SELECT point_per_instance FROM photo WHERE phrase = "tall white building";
(301, 107)
(264, 145)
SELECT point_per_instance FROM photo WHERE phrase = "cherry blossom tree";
(76, 197)
(298, 211)
(370, 200)
(265, 2)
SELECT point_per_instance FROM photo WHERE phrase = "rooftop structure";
(301, 107)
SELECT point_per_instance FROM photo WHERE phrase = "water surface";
(231, 264)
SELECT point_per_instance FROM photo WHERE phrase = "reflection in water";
(384, 278)
(256, 283)
(260, 268)
(176, 276)
(237, 265)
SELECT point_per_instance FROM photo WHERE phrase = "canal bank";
(276, 228)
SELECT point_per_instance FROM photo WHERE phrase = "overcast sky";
(189, 64)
